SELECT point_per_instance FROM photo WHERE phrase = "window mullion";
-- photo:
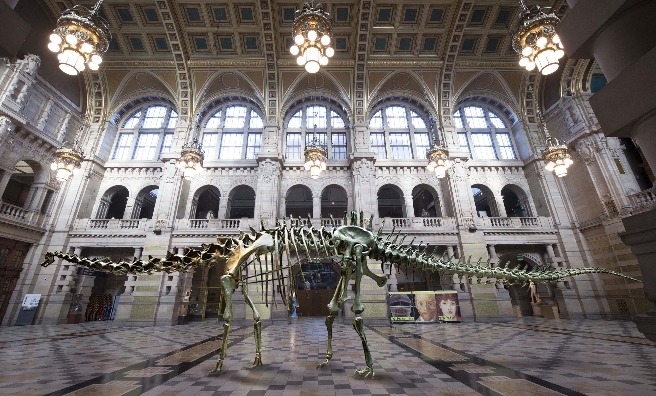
(244, 142)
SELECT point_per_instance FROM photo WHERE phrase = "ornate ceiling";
(189, 36)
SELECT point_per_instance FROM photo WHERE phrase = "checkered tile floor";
(524, 357)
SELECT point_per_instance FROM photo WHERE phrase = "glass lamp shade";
(438, 161)
(546, 61)
(556, 157)
(63, 174)
(312, 67)
(71, 62)
(536, 40)
(312, 31)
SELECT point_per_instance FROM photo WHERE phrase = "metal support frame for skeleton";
(352, 243)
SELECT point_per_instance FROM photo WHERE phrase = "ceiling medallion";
(81, 37)
(312, 30)
(315, 156)
(191, 159)
(536, 39)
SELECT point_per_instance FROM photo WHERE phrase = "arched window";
(145, 134)
(483, 134)
(329, 126)
(232, 132)
(399, 132)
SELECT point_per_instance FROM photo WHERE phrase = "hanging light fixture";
(438, 158)
(67, 161)
(536, 39)
(556, 155)
(315, 156)
(312, 30)
(191, 159)
(81, 37)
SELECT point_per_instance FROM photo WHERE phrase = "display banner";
(424, 306)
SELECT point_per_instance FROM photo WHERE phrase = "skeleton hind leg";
(358, 325)
(227, 290)
(257, 327)
(329, 350)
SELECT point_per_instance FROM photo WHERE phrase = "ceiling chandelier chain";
(80, 38)
(192, 155)
(437, 155)
(536, 39)
(312, 37)
(68, 161)
(556, 154)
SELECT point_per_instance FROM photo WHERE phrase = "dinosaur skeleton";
(352, 243)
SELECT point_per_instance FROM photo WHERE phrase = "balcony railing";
(214, 223)
(418, 223)
(517, 222)
(20, 215)
(119, 225)
(642, 201)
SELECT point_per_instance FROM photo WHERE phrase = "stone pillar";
(4, 180)
(494, 259)
(364, 184)
(501, 207)
(409, 205)
(45, 114)
(138, 251)
(316, 206)
(449, 252)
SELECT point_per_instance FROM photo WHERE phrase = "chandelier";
(191, 159)
(438, 158)
(536, 40)
(312, 29)
(315, 156)
(81, 37)
(557, 157)
(67, 161)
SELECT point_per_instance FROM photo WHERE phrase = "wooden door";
(12, 255)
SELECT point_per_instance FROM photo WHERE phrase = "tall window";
(483, 134)
(232, 132)
(330, 131)
(398, 132)
(145, 134)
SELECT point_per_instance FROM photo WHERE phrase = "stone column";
(501, 207)
(138, 251)
(4, 180)
(409, 205)
(316, 206)
(494, 259)
(45, 114)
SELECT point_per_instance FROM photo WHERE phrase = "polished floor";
(525, 357)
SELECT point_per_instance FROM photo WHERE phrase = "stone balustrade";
(642, 201)
(418, 223)
(120, 226)
(16, 214)
(540, 222)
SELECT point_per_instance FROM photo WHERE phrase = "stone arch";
(144, 203)
(217, 86)
(20, 189)
(208, 107)
(484, 201)
(417, 103)
(426, 201)
(487, 84)
(391, 201)
(127, 107)
(415, 87)
(334, 201)
(113, 203)
(301, 87)
(299, 201)
(307, 97)
(140, 83)
(206, 200)
(516, 202)
(241, 202)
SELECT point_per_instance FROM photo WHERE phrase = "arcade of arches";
(416, 74)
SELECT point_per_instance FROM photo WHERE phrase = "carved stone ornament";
(364, 169)
(6, 126)
(268, 170)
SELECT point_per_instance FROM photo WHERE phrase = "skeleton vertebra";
(353, 244)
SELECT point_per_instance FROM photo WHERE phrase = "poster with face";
(401, 307)
(448, 309)
(425, 306)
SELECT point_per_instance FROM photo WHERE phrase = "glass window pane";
(293, 146)
(132, 121)
(378, 144)
(167, 143)
(316, 115)
(464, 144)
(214, 122)
(123, 144)
(496, 121)
(422, 143)
(146, 146)
(339, 145)
(296, 121)
(235, 117)
(457, 120)
(321, 138)
(417, 121)
(475, 117)
(154, 117)
(396, 117)
(253, 145)
(483, 148)
(231, 144)
(173, 120)
(336, 121)
(377, 120)
(400, 145)
(210, 145)
(256, 120)
(505, 146)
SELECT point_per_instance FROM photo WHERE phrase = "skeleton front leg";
(228, 288)
(257, 326)
(357, 307)
(329, 349)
